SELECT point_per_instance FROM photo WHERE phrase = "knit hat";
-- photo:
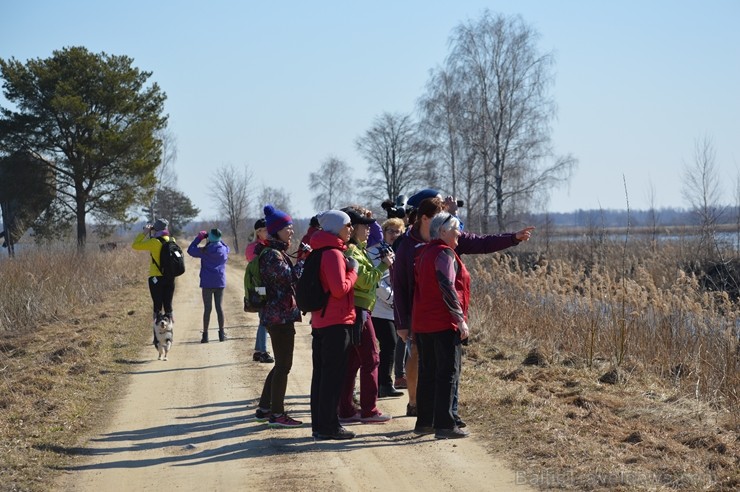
(276, 219)
(160, 224)
(259, 224)
(332, 221)
(416, 199)
(214, 235)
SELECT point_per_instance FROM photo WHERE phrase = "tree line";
(88, 135)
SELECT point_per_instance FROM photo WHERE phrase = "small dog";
(164, 331)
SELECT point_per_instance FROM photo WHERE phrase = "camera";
(460, 203)
(397, 209)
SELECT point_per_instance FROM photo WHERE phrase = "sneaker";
(256, 356)
(454, 433)
(411, 410)
(262, 415)
(401, 383)
(376, 418)
(283, 420)
(266, 358)
(349, 420)
(339, 435)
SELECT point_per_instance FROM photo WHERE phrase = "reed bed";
(41, 286)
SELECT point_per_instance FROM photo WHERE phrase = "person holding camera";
(213, 257)
(330, 326)
(261, 354)
(363, 353)
(382, 314)
(279, 315)
(161, 288)
(427, 204)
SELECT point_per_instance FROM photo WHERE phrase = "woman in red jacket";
(439, 317)
(330, 325)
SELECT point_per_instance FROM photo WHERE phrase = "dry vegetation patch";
(591, 377)
(57, 377)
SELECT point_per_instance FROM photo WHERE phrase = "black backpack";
(171, 260)
(309, 293)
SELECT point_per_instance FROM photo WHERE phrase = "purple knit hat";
(276, 219)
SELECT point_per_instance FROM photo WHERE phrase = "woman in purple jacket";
(213, 258)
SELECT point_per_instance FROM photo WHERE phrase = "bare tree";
(230, 189)
(702, 190)
(165, 173)
(395, 154)
(331, 184)
(278, 197)
(505, 112)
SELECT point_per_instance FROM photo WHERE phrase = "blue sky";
(281, 86)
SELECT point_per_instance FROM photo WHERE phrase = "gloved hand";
(351, 263)
(202, 235)
(147, 227)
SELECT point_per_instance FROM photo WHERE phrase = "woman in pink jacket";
(330, 325)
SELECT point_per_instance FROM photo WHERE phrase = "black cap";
(356, 218)
(260, 224)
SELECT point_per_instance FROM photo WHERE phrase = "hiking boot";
(376, 418)
(339, 434)
(266, 358)
(262, 414)
(401, 383)
(454, 433)
(283, 420)
(385, 391)
(204, 338)
(256, 356)
(411, 410)
(221, 335)
(350, 420)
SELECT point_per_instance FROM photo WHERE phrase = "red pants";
(366, 359)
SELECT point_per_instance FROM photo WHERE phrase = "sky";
(282, 86)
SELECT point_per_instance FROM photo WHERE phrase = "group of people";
(398, 295)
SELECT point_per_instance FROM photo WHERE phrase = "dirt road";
(188, 424)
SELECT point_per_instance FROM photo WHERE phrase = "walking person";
(382, 313)
(213, 257)
(161, 288)
(261, 354)
(279, 315)
(427, 204)
(439, 317)
(363, 352)
(330, 326)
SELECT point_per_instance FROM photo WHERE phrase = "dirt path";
(187, 424)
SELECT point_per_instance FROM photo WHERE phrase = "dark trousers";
(439, 370)
(162, 292)
(385, 331)
(402, 353)
(273, 392)
(209, 297)
(329, 355)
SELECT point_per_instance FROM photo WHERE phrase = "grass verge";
(58, 381)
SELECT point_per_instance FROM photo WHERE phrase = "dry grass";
(592, 370)
(590, 378)
(56, 375)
